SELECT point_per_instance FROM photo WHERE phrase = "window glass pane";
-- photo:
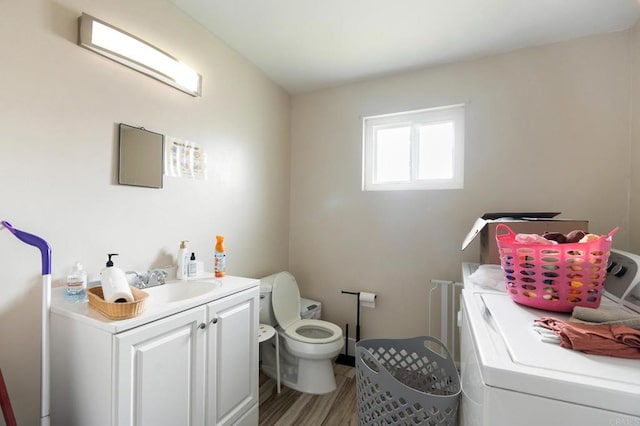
(435, 148)
(392, 155)
(420, 149)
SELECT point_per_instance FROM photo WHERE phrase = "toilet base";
(303, 375)
(316, 376)
(311, 385)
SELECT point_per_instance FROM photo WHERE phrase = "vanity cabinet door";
(160, 370)
(232, 371)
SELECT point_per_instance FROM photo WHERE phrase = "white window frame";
(414, 119)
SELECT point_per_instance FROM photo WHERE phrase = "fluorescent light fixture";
(137, 54)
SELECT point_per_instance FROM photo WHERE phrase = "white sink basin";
(180, 291)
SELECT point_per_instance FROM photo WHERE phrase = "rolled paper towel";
(120, 296)
(115, 288)
(367, 300)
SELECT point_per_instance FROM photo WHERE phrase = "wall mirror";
(141, 157)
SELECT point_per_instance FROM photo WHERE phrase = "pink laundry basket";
(554, 277)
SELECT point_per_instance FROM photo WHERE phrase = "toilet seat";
(285, 298)
(313, 331)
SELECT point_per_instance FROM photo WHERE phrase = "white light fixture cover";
(137, 54)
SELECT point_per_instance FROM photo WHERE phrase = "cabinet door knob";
(202, 326)
(214, 321)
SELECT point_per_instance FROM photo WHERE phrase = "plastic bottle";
(183, 261)
(77, 284)
(192, 269)
(115, 286)
(220, 263)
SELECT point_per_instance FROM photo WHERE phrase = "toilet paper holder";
(346, 359)
(355, 293)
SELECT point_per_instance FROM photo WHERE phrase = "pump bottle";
(76, 284)
(183, 261)
(193, 266)
(115, 286)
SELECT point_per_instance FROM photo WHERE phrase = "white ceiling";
(305, 45)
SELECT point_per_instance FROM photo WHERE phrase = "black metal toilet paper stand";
(345, 358)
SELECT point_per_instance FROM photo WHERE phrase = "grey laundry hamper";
(403, 382)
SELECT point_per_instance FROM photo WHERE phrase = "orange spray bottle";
(220, 262)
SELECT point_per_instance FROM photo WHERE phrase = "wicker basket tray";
(117, 311)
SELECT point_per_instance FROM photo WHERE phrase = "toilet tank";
(266, 311)
(310, 309)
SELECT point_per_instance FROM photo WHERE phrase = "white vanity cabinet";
(196, 366)
(159, 371)
(232, 372)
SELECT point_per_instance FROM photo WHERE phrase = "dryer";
(511, 377)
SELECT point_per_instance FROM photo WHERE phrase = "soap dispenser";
(76, 284)
(115, 287)
(193, 266)
(183, 261)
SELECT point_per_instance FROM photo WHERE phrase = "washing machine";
(511, 377)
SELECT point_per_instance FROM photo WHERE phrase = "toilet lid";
(313, 331)
(285, 299)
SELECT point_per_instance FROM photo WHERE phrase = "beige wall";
(59, 109)
(547, 129)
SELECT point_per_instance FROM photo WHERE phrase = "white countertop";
(88, 315)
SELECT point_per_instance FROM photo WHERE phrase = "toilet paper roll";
(367, 300)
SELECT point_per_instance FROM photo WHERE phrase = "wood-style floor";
(294, 408)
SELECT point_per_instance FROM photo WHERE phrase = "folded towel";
(624, 335)
(488, 276)
(611, 340)
(606, 314)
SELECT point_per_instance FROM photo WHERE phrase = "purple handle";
(33, 240)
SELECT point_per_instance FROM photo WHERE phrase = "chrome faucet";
(156, 277)
(138, 280)
(152, 278)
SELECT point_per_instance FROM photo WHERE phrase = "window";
(414, 150)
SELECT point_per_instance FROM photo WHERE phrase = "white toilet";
(307, 346)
